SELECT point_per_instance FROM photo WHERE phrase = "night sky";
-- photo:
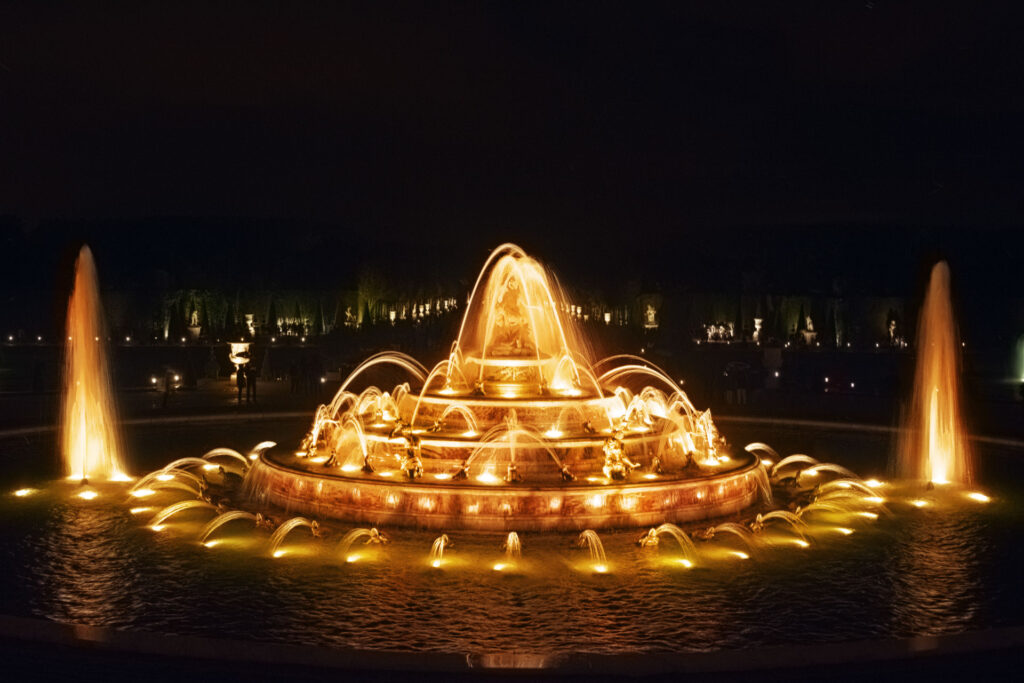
(301, 139)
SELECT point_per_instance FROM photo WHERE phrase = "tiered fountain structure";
(515, 430)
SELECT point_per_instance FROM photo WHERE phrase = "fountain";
(934, 447)
(515, 429)
(89, 439)
(515, 438)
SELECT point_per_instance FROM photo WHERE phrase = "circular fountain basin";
(301, 487)
(917, 578)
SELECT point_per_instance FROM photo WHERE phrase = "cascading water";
(89, 439)
(934, 444)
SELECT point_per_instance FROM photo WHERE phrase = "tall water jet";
(89, 440)
(934, 444)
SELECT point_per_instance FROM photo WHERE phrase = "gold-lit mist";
(934, 444)
(89, 438)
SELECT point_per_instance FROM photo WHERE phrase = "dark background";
(272, 145)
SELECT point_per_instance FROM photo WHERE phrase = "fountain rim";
(191, 653)
(419, 486)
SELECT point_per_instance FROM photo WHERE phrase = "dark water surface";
(946, 568)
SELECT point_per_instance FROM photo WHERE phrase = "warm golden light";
(919, 503)
(88, 494)
(142, 493)
(21, 493)
(89, 438)
(488, 477)
(978, 497)
(934, 444)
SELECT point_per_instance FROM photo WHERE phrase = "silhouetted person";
(250, 383)
(240, 382)
(168, 385)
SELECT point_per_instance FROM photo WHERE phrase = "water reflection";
(935, 573)
(86, 573)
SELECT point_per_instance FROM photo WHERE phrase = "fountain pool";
(926, 571)
(424, 519)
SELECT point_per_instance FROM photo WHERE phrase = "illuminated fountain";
(516, 435)
(935, 447)
(89, 439)
(515, 430)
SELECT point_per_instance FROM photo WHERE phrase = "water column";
(89, 439)
(934, 444)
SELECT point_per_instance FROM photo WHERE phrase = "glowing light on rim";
(88, 494)
(488, 477)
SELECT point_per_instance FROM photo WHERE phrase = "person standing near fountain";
(168, 385)
(250, 383)
(240, 382)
